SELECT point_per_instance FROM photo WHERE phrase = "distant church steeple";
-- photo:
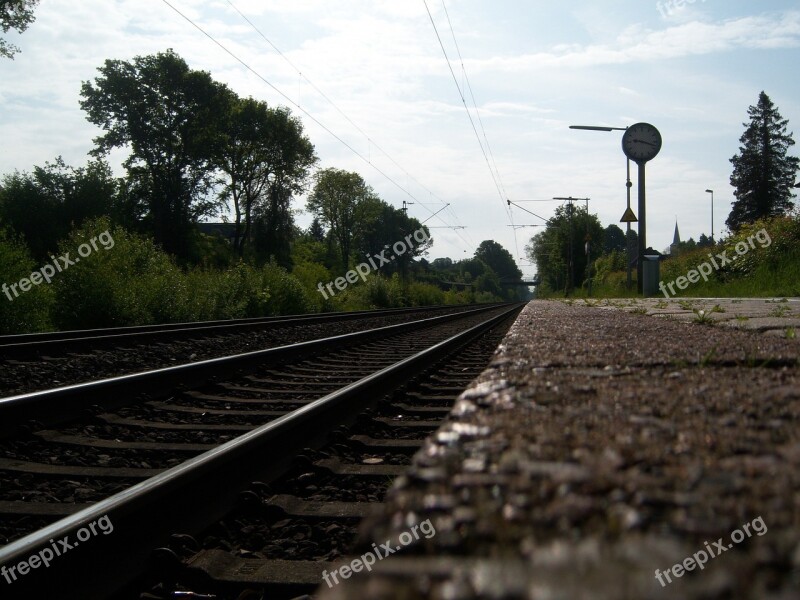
(676, 240)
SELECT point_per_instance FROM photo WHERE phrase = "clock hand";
(643, 142)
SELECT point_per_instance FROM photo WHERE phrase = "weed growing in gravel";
(638, 310)
(706, 360)
(791, 333)
(779, 311)
(702, 317)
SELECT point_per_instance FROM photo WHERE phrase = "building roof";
(676, 239)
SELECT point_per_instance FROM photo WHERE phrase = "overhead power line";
(303, 110)
(488, 155)
(464, 102)
(330, 101)
(474, 103)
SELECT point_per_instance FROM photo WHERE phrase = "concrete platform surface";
(603, 455)
(774, 316)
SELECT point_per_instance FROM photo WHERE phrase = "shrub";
(286, 294)
(310, 275)
(375, 292)
(27, 312)
(425, 294)
(784, 233)
(454, 296)
(132, 282)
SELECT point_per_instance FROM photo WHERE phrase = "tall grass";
(135, 283)
(769, 267)
(381, 292)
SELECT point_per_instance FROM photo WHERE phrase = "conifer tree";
(763, 172)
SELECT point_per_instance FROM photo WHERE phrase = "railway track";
(124, 463)
(59, 342)
(43, 361)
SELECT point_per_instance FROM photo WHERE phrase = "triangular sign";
(628, 217)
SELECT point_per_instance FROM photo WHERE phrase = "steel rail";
(64, 340)
(57, 404)
(200, 490)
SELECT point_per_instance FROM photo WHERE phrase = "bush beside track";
(136, 283)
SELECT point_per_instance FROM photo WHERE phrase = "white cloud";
(640, 44)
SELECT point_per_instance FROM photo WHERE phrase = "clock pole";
(642, 231)
(641, 143)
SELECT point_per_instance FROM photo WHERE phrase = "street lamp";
(712, 213)
(628, 186)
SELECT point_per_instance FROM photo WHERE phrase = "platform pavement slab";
(604, 455)
(774, 316)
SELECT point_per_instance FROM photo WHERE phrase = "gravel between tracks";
(19, 377)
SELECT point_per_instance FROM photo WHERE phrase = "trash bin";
(650, 275)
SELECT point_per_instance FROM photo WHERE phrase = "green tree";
(165, 112)
(502, 271)
(387, 226)
(686, 246)
(266, 156)
(703, 241)
(498, 259)
(470, 268)
(21, 311)
(43, 206)
(442, 264)
(315, 231)
(345, 204)
(16, 15)
(613, 239)
(563, 241)
(763, 172)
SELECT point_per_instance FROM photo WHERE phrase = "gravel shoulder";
(599, 450)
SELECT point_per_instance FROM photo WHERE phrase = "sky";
(533, 68)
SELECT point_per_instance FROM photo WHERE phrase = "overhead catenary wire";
(474, 103)
(370, 141)
(480, 122)
(300, 108)
(488, 155)
(469, 114)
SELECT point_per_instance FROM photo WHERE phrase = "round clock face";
(641, 142)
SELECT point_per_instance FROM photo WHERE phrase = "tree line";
(196, 150)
